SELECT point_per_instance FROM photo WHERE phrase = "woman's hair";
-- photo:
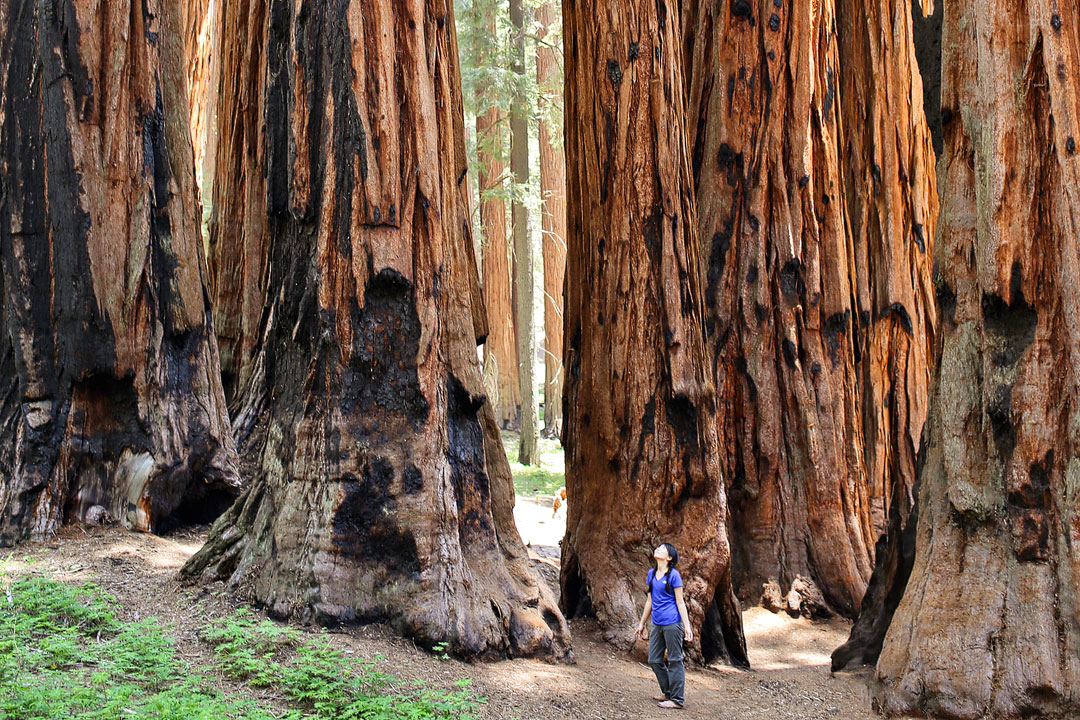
(673, 558)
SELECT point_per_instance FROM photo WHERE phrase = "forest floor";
(790, 657)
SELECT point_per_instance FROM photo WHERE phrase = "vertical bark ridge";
(640, 432)
(380, 491)
(119, 406)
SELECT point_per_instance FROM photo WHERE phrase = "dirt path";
(791, 657)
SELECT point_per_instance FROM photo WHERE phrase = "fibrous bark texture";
(381, 490)
(989, 624)
(110, 392)
(500, 347)
(641, 428)
(238, 242)
(524, 279)
(553, 245)
(816, 199)
(202, 63)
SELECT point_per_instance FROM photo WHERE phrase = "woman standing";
(670, 626)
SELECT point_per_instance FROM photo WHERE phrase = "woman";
(670, 626)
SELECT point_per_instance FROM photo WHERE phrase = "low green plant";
(64, 653)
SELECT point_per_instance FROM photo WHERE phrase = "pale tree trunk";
(112, 404)
(500, 346)
(553, 247)
(989, 623)
(524, 279)
(380, 491)
(641, 427)
(238, 241)
(202, 59)
(816, 204)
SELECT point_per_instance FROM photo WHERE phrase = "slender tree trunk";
(641, 428)
(381, 489)
(500, 347)
(989, 623)
(111, 400)
(553, 192)
(816, 209)
(238, 240)
(524, 276)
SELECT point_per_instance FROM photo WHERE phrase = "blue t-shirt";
(664, 609)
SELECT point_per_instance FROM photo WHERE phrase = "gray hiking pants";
(670, 672)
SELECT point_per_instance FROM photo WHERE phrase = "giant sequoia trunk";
(641, 426)
(238, 243)
(553, 245)
(380, 489)
(111, 399)
(989, 623)
(816, 205)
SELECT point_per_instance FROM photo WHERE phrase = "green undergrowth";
(64, 653)
(543, 479)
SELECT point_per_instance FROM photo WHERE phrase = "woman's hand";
(639, 632)
(688, 634)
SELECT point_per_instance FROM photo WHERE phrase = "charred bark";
(989, 623)
(380, 490)
(816, 211)
(640, 427)
(553, 245)
(111, 397)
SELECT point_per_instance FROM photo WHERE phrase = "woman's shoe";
(670, 705)
(659, 698)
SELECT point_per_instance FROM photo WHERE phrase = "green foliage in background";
(64, 653)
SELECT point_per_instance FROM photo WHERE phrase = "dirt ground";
(791, 677)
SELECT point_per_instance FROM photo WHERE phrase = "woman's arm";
(641, 625)
(688, 634)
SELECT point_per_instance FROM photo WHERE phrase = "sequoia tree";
(989, 623)
(816, 208)
(238, 244)
(112, 404)
(640, 425)
(379, 488)
(500, 348)
(553, 245)
(202, 58)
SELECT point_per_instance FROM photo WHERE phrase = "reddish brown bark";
(111, 401)
(816, 209)
(641, 443)
(202, 58)
(500, 348)
(989, 624)
(553, 245)
(380, 489)
(238, 242)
